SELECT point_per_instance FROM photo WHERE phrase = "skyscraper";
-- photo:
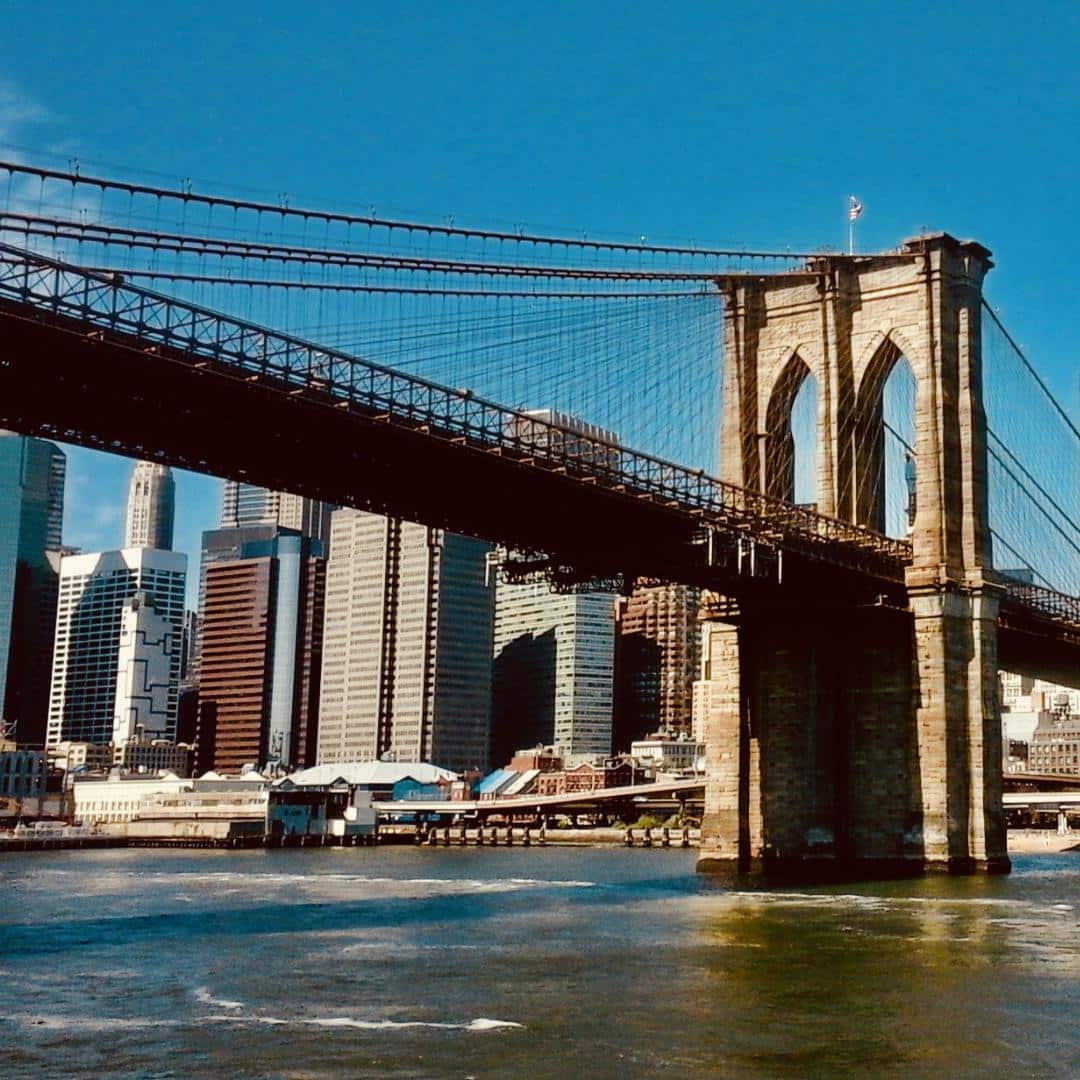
(554, 668)
(564, 433)
(657, 659)
(260, 629)
(151, 507)
(406, 646)
(554, 652)
(32, 475)
(247, 504)
(95, 590)
(146, 688)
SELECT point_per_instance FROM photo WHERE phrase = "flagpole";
(850, 227)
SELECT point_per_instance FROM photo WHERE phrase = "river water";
(555, 962)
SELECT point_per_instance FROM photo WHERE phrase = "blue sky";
(680, 122)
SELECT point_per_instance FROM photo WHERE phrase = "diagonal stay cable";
(1042, 491)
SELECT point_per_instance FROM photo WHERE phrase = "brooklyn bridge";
(849, 452)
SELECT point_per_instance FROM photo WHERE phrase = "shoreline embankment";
(1043, 841)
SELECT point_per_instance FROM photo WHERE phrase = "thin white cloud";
(95, 492)
(22, 121)
(18, 111)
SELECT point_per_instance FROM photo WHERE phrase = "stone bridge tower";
(840, 728)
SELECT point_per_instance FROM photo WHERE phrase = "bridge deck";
(93, 360)
(674, 791)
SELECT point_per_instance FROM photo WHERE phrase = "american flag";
(854, 208)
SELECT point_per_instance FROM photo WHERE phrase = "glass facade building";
(260, 629)
(32, 473)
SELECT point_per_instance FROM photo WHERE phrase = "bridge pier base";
(873, 703)
(961, 824)
(857, 743)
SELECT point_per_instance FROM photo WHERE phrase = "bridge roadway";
(1042, 800)
(89, 359)
(671, 792)
(674, 792)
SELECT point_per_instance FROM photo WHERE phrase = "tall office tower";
(554, 668)
(146, 677)
(187, 645)
(406, 644)
(94, 590)
(309, 642)
(31, 515)
(554, 652)
(564, 433)
(657, 656)
(151, 507)
(247, 504)
(260, 630)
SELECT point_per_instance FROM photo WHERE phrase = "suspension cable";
(188, 196)
(206, 246)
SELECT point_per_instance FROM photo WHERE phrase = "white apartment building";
(669, 753)
(1024, 700)
(406, 656)
(113, 802)
(146, 676)
(116, 800)
(94, 589)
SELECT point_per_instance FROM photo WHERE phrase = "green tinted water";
(404, 962)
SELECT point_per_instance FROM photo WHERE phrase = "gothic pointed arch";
(884, 447)
(784, 444)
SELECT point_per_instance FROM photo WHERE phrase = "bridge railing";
(1056, 605)
(107, 302)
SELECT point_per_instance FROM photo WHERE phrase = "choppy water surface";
(402, 962)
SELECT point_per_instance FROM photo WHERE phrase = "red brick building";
(586, 777)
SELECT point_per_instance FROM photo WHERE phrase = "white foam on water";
(204, 997)
(234, 1019)
(542, 882)
(94, 1023)
(97, 1024)
(873, 902)
(400, 947)
(812, 899)
(481, 1023)
(253, 880)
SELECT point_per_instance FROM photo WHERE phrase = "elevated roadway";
(672, 792)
